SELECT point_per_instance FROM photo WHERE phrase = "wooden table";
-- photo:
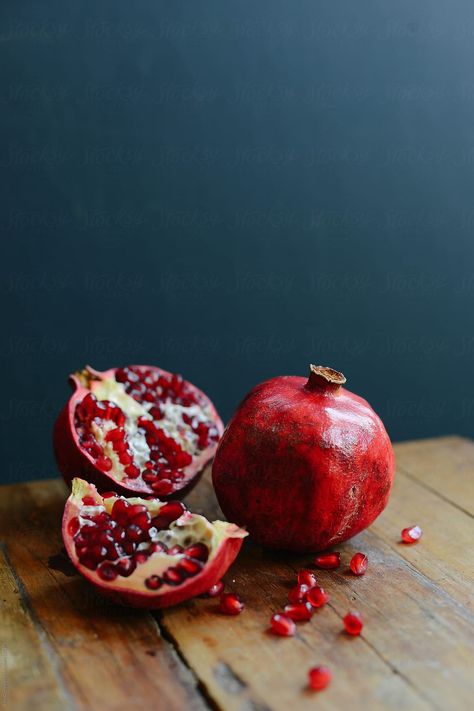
(64, 647)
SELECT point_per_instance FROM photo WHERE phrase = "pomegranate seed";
(353, 623)
(163, 487)
(104, 464)
(199, 551)
(88, 562)
(215, 590)
(183, 459)
(132, 471)
(298, 594)
(319, 678)
(129, 547)
(282, 625)
(300, 611)
(88, 501)
(121, 375)
(108, 494)
(153, 582)
(175, 550)
(115, 435)
(107, 571)
(156, 413)
(149, 476)
(157, 547)
(118, 534)
(140, 557)
(230, 604)
(134, 533)
(412, 534)
(98, 552)
(135, 509)
(173, 576)
(317, 597)
(142, 520)
(359, 564)
(73, 526)
(190, 566)
(125, 566)
(306, 577)
(328, 561)
(168, 513)
(119, 511)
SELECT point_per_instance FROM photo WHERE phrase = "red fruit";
(300, 611)
(298, 593)
(359, 564)
(319, 678)
(306, 577)
(282, 625)
(215, 590)
(303, 464)
(231, 604)
(128, 563)
(328, 561)
(317, 597)
(353, 623)
(412, 534)
(106, 433)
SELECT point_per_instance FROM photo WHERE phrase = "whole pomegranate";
(137, 429)
(145, 552)
(303, 464)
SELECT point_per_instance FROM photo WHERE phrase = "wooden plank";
(108, 657)
(28, 677)
(417, 647)
(444, 466)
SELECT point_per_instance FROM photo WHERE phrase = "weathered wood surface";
(63, 647)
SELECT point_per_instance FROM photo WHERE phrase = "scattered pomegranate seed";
(319, 677)
(306, 577)
(300, 611)
(317, 597)
(359, 563)
(353, 623)
(282, 625)
(216, 590)
(298, 593)
(412, 534)
(231, 604)
(328, 561)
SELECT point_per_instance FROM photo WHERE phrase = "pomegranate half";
(303, 464)
(137, 429)
(145, 552)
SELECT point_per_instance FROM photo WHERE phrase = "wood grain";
(67, 648)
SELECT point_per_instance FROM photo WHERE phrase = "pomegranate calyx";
(324, 378)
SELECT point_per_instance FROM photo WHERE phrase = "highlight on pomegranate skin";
(136, 429)
(146, 552)
(304, 464)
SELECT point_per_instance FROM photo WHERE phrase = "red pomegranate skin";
(304, 464)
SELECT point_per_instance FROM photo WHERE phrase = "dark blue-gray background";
(234, 190)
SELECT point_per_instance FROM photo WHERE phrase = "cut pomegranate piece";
(307, 577)
(300, 611)
(328, 561)
(138, 430)
(141, 565)
(411, 534)
(359, 563)
(282, 625)
(353, 623)
(319, 677)
(231, 604)
(317, 597)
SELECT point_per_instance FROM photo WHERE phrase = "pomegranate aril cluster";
(167, 459)
(114, 544)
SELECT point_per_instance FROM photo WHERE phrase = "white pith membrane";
(186, 531)
(172, 423)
